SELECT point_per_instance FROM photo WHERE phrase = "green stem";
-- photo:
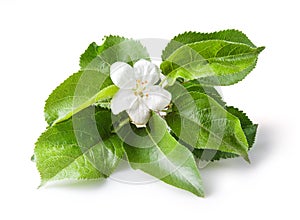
(121, 124)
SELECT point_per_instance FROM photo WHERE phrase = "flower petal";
(122, 100)
(157, 98)
(139, 113)
(146, 71)
(122, 75)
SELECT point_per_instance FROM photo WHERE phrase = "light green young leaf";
(92, 83)
(249, 129)
(79, 148)
(154, 151)
(201, 122)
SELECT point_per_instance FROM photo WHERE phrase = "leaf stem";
(121, 124)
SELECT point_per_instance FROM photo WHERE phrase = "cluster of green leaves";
(85, 141)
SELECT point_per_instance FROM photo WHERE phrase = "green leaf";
(249, 129)
(192, 37)
(92, 83)
(89, 55)
(78, 92)
(221, 58)
(154, 151)
(201, 122)
(113, 49)
(79, 148)
(195, 86)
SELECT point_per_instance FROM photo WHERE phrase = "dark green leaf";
(90, 53)
(209, 125)
(92, 83)
(249, 129)
(79, 148)
(76, 93)
(195, 86)
(220, 58)
(192, 37)
(213, 62)
(113, 49)
(154, 151)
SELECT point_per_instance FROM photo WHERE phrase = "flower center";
(140, 88)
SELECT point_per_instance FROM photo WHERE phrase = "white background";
(40, 44)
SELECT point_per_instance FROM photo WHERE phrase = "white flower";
(138, 94)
